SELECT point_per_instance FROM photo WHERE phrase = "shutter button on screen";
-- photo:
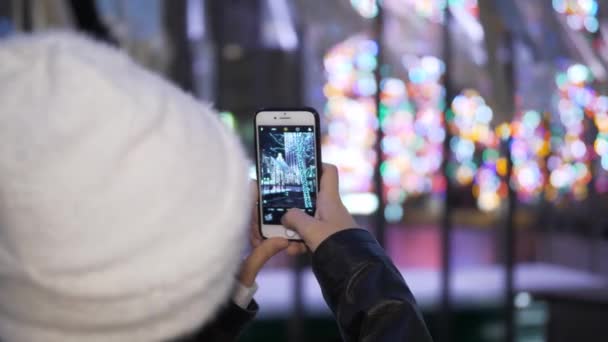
(290, 233)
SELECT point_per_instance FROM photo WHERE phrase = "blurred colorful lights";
(569, 164)
(529, 148)
(434, 10)
(366, 8)
(580, 14)
(350, 118)
(549, 151)
(474, 145)
(411, 119)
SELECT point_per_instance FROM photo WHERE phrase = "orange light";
(501, 166)
(476, 191)
(544, 150)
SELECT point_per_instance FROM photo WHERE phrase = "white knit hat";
(123, 201)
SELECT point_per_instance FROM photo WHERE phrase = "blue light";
(366, 86)
(366, 62)
(366, 8)
(417, 75)
(559, 5)
(464, 150)
(483, 114)
(393, 212)
(592, 24)
(592, 10)
(578, 73)
(531, 119)
(369, 46)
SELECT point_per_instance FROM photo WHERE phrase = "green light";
(383, 114)
(455, 3)
(451, 169)
(531, 119)
(419, 143)
(490, 155)
(383, 168)
(561, 79)
(385, 70)
(228, 119)
(449, 115)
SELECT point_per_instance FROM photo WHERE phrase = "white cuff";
(243, 295)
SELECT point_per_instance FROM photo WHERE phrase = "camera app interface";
(287, 170)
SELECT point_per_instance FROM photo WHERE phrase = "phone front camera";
(275, 117)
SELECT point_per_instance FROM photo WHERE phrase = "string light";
(600, 144)
(580, 14)
(475, 153)
(434, 10)
(411, 119)
(366, 8)
(350, 116)
(569, 163)
(529, 148)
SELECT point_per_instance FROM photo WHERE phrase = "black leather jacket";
(365, 291)
(362, 287)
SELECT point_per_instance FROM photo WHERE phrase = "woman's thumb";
(258, 257)
(300, 222)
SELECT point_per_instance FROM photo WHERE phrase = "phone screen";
(288, 170)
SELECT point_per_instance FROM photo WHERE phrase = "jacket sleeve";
(227, 326)
(365, 291)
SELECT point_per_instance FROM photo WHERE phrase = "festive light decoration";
(434, 10)
(350, 115)
(580, 14)
(529, 149)
(366, 8)
(569, 162)
(228, 119)
(411, 119)
(475, 149)
(548, 151)
(600, 144)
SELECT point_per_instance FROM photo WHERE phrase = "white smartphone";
(288, 166)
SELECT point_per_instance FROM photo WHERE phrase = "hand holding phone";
(331, 216)
(287, 160)
(263, 250)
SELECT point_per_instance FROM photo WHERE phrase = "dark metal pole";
(88, 20)
(180, 69)
(380, 222)
(26, 12)
(509, 227)
(445, 329)
(295, 324)
(510, 239)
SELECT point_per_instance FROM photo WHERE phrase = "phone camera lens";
(275, 117)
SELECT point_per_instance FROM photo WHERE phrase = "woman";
(123, 214)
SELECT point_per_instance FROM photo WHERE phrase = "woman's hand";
(331, 215)
(263, 249)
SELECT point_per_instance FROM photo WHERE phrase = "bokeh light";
(366, 8)
(529, 149)
(569, 164)
(350, 116)
(580, 14)
(434, 10)
(552, 153)
(411, 119)
(599, 110)
(475, 157)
